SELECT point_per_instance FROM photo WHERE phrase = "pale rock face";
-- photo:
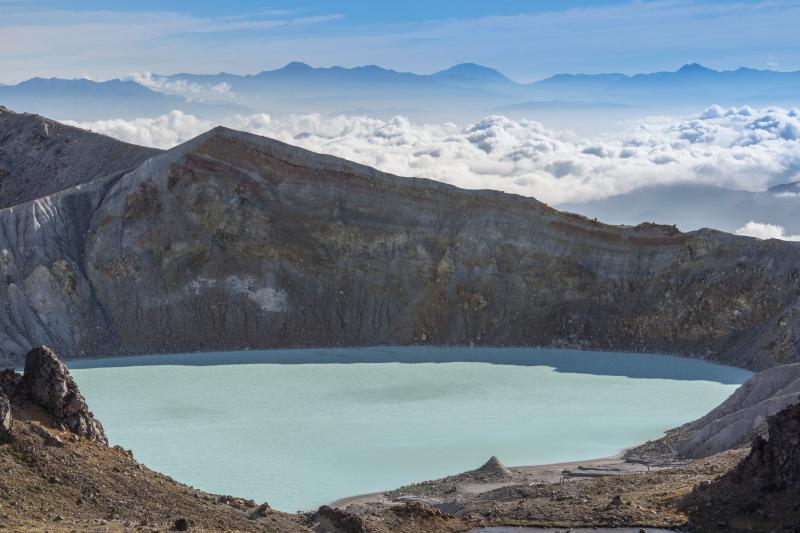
(6, 420)
(267, 298)
(233, 240)
(736, 421)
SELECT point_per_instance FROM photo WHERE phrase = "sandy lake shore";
(531, 474)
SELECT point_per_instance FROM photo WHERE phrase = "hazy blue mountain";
(786, 188)
(81, 99)
(466, 75)
(691, 84)
(698, 206)
(587, 103)
(465, 92)
(472, 75)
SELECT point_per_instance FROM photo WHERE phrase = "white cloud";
(760, 230)
(740, 148)
(162, 132)
(190, 90)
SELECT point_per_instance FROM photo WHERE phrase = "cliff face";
(234, 241)
(39, 157)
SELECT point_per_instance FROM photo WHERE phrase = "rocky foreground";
(763, 492)
(233, 241)
(59, 474)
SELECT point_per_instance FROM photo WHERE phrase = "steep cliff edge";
(39, 157)
(233, 240)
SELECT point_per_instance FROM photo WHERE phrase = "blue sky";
(527, 40)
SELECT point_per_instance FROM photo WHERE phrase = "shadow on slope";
(632, 365)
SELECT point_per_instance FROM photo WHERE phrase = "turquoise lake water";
(301, 428)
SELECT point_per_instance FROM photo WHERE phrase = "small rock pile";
(493, 470)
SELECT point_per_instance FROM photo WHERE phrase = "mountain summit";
(473, 72)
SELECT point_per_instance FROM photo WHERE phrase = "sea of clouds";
(740, 148)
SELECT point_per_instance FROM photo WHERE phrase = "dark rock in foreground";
(58, 474)
(47, 384)
(763, 492)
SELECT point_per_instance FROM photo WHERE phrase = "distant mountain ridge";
(464, 92)
(786, 188)
(695, 206)
(89, 100)
(685, 85)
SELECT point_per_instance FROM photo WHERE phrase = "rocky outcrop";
(763, 491)
(234, 241)
(409, 517)
(332, 520)
(774, 462)
(50, 386)
(732, 424)
(53, 480)
(6, 419)
(39, 157)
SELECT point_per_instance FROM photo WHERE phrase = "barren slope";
(39, 156)
(732, 424)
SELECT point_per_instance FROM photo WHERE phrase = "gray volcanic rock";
(48, 384)
(735, 422)
(774, 462)
(233, 241)
(39, 156)
(6, 419)
(763, 492)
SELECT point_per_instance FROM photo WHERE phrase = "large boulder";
(49, 385)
